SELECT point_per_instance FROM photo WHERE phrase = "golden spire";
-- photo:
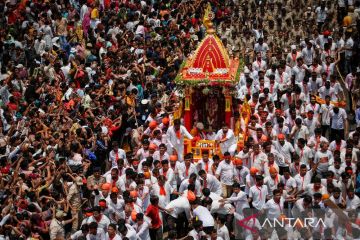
(208, 17)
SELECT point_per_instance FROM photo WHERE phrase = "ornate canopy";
(210, 63)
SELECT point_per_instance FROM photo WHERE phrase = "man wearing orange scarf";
(226, 138)
(175, 137)
(272, 180)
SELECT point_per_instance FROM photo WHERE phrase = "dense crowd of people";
(92, 137)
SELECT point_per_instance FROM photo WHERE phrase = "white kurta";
(230, 144)
(177, 143)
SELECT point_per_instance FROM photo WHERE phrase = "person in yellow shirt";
(94, 13)
(131, 98)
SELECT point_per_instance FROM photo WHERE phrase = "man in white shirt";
(299, 130)
(238, 198)
(311, 123)
(321, 14)
(222, 230)
(142, 227)
(303, 178)
(187, 167)
(308, 54)
(116, 207)
(304, 152)
(241, 173)
(244, 155)
(95, 232)
(247, 89)
(205, 163)
(115, 154)
(204, 215)
(275, 206)
(285, 149)
(314, 141)
(315, 187)
(325, 110)
(111, 233)
(299, 71)
(289, 182)
(100, 219)
(292, 56)
(259, 63)
(300, 206)
(352, 201)
(348, 47)
(211, 182)
(175, 137)
(258, 194)
(327, 89)
(191, 180)
(226, 138)
(126, 230)
(339, 124)
(197, 232)
(337, 169)
(258, 158)
(225, 172)
(272, 180)
(248, 73)
(178, 206)
(323, 158)
(336, 196)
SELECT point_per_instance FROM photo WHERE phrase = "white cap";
(200, 126)
(293, 47)
(144, 101)
(55, 39)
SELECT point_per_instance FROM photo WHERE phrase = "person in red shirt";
(12, 104)
(153, 212)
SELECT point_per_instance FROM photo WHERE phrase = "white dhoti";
(180, 152)
(228, 148)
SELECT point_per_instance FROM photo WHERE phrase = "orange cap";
(102, 204)
(238, 162)
(88, 214)
(115, 190)
(134, 194)
(253, 170)
(147, 175)
(191, 196)
(152, 146)
(165, 120)
(133, 215)
(272, 170)
(264, 138)
(325, 196)
(281, 136)
(152, 124)
(106, 186)
(173, 157)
